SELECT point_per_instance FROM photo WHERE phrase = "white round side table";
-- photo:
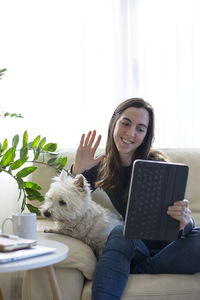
(44, 261)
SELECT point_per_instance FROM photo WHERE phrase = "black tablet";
(153, 187)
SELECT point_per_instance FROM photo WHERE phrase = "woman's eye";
(125, 124)
(141, 130)
(62, 202)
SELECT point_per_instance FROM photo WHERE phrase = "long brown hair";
(110, 168)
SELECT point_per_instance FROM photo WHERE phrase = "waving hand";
(85, 156)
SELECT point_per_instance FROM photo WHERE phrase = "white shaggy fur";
(68, 202)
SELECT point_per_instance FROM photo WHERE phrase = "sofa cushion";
(80, 257)
(160, 286)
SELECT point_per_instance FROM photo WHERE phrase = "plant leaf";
(15, 140)
(34, 195)
(2, 72)
(25, 172)
(29, 146)
(52, 161)
(36, 153)
(50, 147)
(58, 160)
(5, 145)
(8, 157)
(32, 185)
(35, 142)
(33, 209)
(20, 183)
(18, 163)
(23, 152)
(25, 138)
(41, 143)
(63, 162)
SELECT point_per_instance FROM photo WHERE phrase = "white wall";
(8, 198)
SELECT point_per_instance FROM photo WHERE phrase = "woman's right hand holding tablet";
(85, 155)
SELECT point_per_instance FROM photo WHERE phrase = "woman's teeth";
(127, 142)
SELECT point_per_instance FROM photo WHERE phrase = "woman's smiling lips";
(126, 141)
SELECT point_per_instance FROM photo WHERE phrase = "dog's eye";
(62, 202)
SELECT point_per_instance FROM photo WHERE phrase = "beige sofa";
(75, 273)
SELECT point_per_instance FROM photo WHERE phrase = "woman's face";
(130, 131)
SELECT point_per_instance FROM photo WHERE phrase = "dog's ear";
(80, 182)
(63, 175)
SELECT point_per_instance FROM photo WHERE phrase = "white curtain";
(69, 63)
(168, 67)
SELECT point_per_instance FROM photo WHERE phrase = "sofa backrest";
(191, 157)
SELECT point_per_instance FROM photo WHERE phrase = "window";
(70, 63)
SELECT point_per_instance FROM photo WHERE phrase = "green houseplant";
(13, 160)
(16, 161)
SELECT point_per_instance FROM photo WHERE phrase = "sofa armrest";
(80, 256)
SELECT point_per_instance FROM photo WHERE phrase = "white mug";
(24, 225)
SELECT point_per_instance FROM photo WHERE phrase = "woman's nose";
(132, 131)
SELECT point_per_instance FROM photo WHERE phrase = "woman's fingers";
(96, 145)
(179, 208)
(82, 140)
(180, 211)
(85, 154)
(92, 138)
(87, 139)
(184, 202)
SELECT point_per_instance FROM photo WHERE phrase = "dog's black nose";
(47, 214)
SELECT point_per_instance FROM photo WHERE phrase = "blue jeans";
(124, 256)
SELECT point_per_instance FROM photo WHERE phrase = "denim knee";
(116, 242)
(179, 257)
(117, 231)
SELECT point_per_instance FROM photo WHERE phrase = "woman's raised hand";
(85, 154)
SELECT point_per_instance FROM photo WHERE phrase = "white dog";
(68, 202)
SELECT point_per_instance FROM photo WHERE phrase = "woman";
(130, 136)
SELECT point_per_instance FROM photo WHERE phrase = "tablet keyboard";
(153, 188)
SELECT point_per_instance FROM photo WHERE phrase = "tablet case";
(153, 187)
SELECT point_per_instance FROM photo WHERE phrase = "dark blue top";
(115, 196)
